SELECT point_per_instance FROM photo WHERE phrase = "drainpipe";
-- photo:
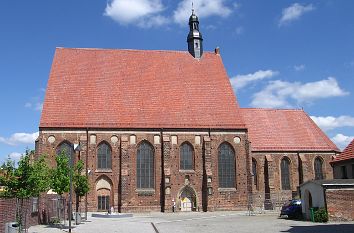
(87, 149)
(325, 198)
(162, 186)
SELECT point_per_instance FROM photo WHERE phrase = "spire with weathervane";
(194, 39)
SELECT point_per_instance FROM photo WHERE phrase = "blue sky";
(279, 54)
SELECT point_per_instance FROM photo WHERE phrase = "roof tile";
(348, 153)
(284, 130)
(109, 88)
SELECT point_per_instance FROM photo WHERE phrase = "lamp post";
(77, 148)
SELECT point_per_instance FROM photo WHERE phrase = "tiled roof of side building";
(348, 153)
(111, 88)
(284, 130)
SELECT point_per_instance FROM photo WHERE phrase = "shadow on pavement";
(340, 228)
(60, 227)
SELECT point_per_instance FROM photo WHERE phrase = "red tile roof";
(284, 130)
(348, 153)
(108, 88)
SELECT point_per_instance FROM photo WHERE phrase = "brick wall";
(8, 212)
(170, 179)
(340, 205)
(301, 169)
(122, 177)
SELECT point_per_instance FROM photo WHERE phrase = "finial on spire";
(192, 8)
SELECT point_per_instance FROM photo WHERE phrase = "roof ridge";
(275, 109)
(319, 130)
(130, 50)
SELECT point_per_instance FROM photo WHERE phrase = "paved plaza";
(209, 222)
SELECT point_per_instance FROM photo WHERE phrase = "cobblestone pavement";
(209, 222)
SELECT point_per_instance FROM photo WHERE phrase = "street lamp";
(77, 148)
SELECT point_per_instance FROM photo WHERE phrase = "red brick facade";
(340, 205)
(8, 212)
(301, 170)
(170, 180)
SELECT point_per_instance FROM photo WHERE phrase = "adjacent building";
(343, 165)
(336, 196)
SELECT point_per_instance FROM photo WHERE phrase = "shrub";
(321, 215)
(54, 221)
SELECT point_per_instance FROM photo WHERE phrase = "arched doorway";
(308, 203)
(187, 199)
(104, 193)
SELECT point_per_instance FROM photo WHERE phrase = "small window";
(254, 171)
(344, 172)
(103, 203)
(226, 166)
(318, 169)
(196, 45)
(285, 173)
(104, 156)
(34, 204)
(186, 157)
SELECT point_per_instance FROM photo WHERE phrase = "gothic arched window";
(285, 173)
(186, 157)
(104, 156)
(145, 166)
(226, 166)
(254, 171)
(318, 169)
(66, 148)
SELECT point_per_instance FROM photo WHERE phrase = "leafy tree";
(27, 180)
(81, 184)
(7, 177)
(40, 175)
(60, 180)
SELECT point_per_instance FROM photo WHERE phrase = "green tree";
(40, 175)
(27, 180)
(60, 180)
(81, 184)
(60, 177)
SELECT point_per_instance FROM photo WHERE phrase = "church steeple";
(194, 39)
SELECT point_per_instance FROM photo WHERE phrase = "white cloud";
(342, 141)
(239, 30)
(149, 13)
(236, 5)
(299, 67)
(240, 81)
(15, 156)
(38, 107)
(277, 94)
(203, 8)
(294, 12)
(20, 138)
(35, 104)
(144, 13)
(28, 105)
(330, 122)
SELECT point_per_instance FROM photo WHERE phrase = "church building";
(162, 127)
